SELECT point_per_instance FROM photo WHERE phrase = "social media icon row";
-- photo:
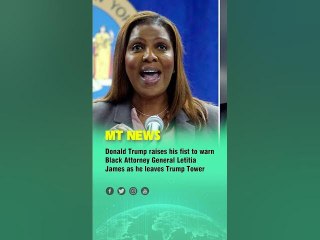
(132, 190)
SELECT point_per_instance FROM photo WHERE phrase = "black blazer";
(107, 115)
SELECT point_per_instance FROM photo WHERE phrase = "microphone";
(154, 123)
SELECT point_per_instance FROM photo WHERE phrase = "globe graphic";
(160, 222)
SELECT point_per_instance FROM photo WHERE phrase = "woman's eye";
(162, 47)
(136, 47)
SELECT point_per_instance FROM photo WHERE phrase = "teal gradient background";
(205, 191)
(273, 120)
(45, 162)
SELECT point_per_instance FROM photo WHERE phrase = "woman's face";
(149, 60)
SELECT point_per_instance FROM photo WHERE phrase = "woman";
(149, 79)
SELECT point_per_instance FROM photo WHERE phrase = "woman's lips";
(150, 78)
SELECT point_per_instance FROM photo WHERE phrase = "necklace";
(147, 115)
